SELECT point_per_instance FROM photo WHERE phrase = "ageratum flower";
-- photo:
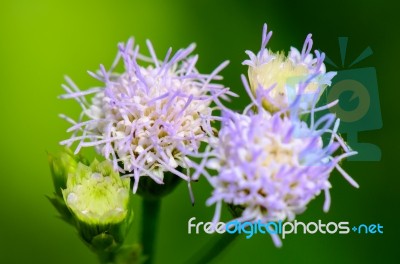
(271, 165)
(96, 194)
(280, 75)
(99, 200)
(146, 117)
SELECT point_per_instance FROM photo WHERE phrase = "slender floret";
(280, 75)
(272, 165)
(146, 117)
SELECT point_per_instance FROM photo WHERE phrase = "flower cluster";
(269, 162)
(266, 163)
(145, 118)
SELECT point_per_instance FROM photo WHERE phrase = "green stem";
(150, 213)
(213, 249)
(105, 257)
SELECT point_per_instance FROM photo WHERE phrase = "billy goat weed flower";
(280, 75)
(99, 200)
(145, 118)
(96, 201)
(271, 165)
(97, 194)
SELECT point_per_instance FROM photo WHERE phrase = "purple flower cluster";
(145, 118)
(269, 162)
(273, 165)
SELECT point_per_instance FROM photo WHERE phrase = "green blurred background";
(41, 41)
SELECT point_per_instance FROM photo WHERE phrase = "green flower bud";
(99, 200)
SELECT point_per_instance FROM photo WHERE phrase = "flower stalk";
(150, 218)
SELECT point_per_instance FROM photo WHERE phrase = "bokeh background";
(43, 40)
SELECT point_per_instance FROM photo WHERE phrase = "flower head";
(96, 194)
(272, 165)
(145, 118)
(98, 200)
(281, 75)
